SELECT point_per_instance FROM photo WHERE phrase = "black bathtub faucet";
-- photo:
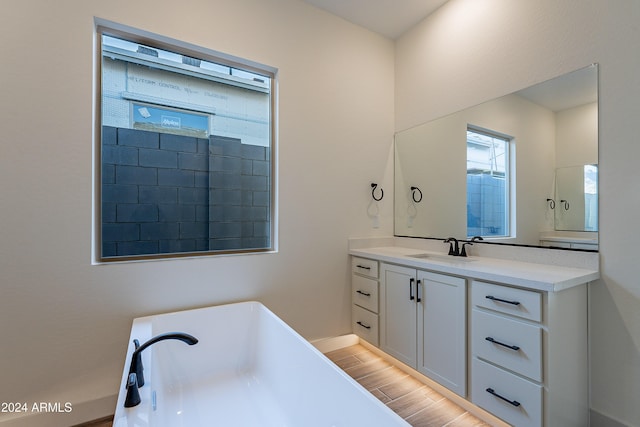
(135, 379)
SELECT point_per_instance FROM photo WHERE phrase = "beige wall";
(64, 322)
(470, 51)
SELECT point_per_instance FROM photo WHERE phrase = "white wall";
(64, 323)
(470, 51)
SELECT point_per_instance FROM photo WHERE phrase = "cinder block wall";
(166, 193)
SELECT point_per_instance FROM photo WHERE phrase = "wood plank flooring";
(418, 404)
(102, 422)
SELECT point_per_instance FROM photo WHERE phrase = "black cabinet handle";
(363, 325)
(512, 347)
(364, 267)
(411, 297)
(418, 299)
(363, 293)
(513, 402)
(492, 298)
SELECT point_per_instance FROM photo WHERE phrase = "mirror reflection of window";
(591, 197)
(487, 183)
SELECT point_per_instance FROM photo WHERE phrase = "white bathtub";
(249, 368)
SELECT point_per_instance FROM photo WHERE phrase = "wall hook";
(566, 204)
(413, 194)
(552, 203)
(373, 189)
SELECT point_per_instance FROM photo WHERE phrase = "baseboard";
(80, 413)
(598, 419)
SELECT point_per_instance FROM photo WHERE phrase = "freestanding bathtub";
(249, 368)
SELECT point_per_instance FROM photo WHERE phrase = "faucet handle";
(133, 395)
(463, 251)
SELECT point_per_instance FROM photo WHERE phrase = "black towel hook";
(566, 204)
(552, 203)
(413, 194)
(373, 189)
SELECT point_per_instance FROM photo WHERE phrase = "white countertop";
(542, 277)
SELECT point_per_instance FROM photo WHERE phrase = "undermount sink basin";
(444, 258)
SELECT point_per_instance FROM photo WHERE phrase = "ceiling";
(391, 18)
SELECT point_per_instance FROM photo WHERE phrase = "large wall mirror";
(520, 169)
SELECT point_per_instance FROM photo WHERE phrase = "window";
(186, 150)
(591, 197)
(488, 179)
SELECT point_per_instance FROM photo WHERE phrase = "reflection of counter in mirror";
(547, 126)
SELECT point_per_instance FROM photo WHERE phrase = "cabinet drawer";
(513, 301)
(514, 399)
(365, 324)
(366, 267)
(506, 342)
(364, 292)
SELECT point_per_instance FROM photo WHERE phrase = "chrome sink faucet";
(135, 379)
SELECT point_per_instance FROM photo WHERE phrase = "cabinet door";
(398, 313)
(442, 330)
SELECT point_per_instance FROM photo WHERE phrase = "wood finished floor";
(102, 422)
(418, 404)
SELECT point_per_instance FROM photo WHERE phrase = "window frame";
(109, 28)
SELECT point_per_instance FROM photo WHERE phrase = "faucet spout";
(136, 358)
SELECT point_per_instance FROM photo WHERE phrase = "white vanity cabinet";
(516, 347)
(423, 322)
(529, 354)
(364, 298)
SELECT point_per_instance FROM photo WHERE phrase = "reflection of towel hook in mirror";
(413, 194)
(552, 203)
(373, 189)
(566, 204)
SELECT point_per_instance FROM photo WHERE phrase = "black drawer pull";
(363, 325)
(418, 299)
(492, 298)
(513, 402)
(363, 293)
(512, 347)
(363, 266)
(411, 297)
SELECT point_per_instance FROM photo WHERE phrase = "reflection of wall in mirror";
(576, 146)
(577, 136)
(432, 156)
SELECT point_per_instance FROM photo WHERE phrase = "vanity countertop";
(542, 277)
